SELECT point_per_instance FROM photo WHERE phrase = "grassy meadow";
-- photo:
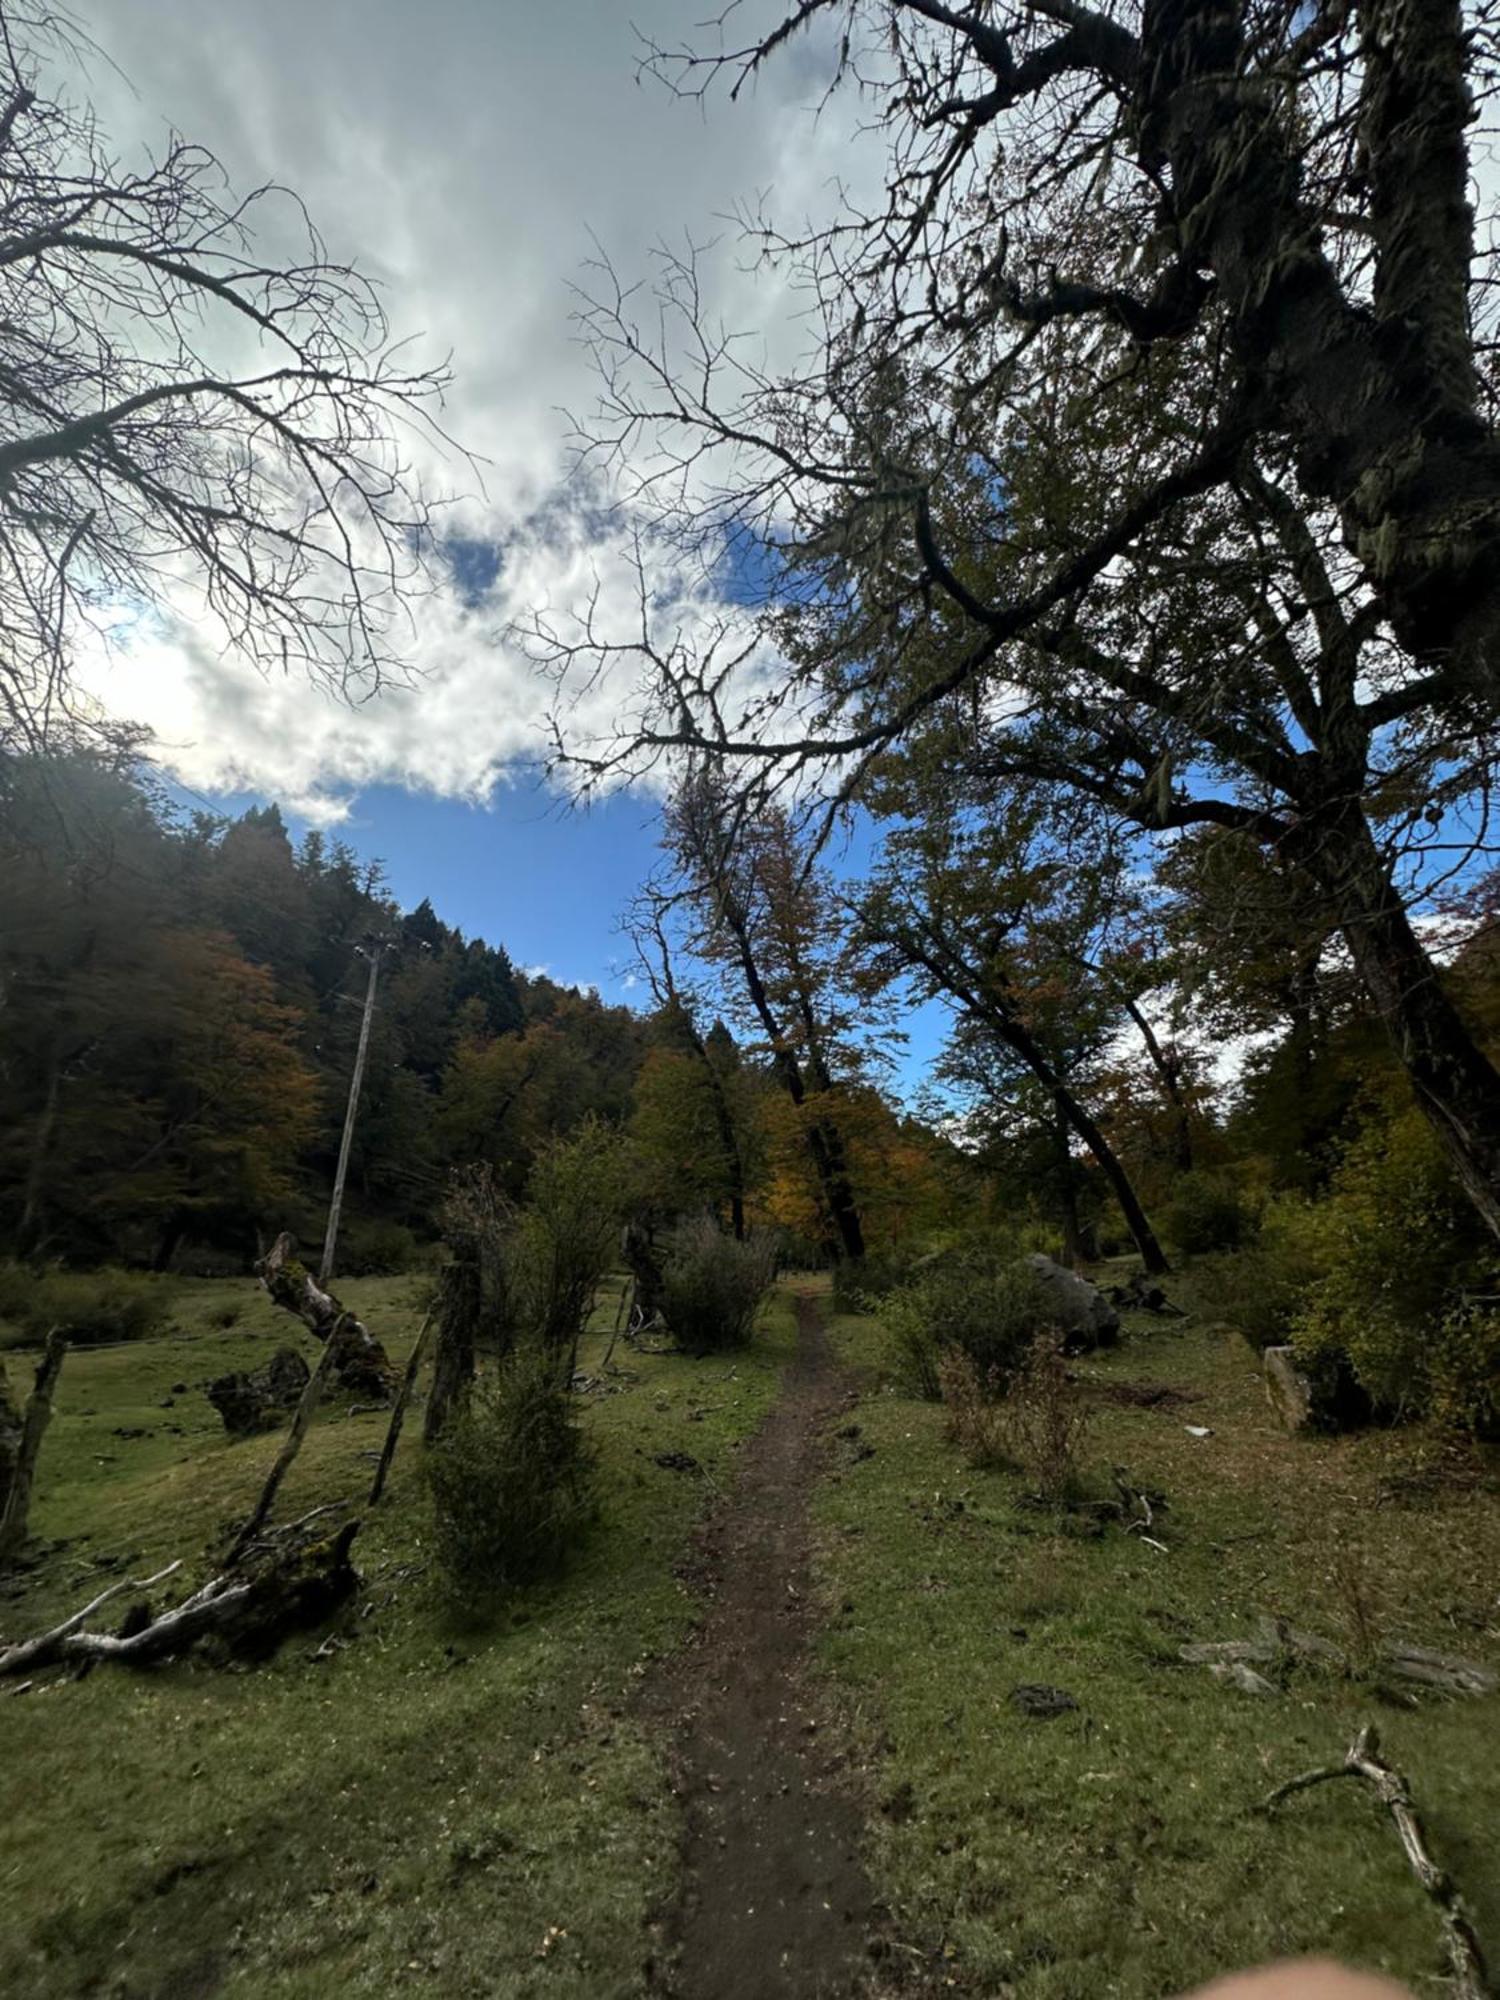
(443, 1806)
(1116, 1848)
(434, 1807)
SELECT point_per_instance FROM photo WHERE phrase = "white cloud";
(464, 153)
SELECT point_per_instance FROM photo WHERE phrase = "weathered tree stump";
(263, 1398)
(10, 1438)
(361, 1365)
(15, 1514)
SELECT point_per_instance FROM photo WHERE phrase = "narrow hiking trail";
(774, 1904)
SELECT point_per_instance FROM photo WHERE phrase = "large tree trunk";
(1378, 400)
(1455, 1083)
(1152, 1255)
(1016, 1037)
(824, 1141)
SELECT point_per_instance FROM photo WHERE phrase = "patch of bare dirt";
(774, 1903)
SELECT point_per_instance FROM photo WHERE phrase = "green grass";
(1116, 1850)
(435, 1808)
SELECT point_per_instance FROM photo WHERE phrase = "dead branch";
(290, 1446)
(398, 1414)
(250, 1609)
(1363, 1760)
(17, 1511)
(1445, 1673)
(36, 1652)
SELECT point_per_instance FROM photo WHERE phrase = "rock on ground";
(262, 1399)
(1288, 1388)
(1082, 1313)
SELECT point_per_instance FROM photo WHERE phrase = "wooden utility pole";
(372, 949)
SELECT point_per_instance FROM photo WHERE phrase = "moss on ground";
(1116, 1849)
(433, 1808)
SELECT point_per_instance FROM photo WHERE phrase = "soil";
(774, 1903)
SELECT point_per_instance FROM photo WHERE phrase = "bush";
(713, 1285)
(1260, 1289)
(973, 1418)
(1403, 1255)
(1206, 1213)
(94, 1307)
(858, 1286)
(567, 1237)
(510, 1479)
(371, 1248)
(977, 1299)
(1042, 1421)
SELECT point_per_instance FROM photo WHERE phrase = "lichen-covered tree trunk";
(361, 1364)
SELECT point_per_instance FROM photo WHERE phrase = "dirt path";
(774, 1904)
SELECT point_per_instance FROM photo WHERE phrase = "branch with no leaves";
(1363, 1760)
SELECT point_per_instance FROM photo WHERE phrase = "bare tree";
(201, 410)
(766, 918)
(1148, 450)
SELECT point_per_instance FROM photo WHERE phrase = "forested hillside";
(182, 998)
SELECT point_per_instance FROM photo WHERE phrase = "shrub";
(858, 1285)
(1260, 1289)
(1042, 1421)
(973, 1419)
(713, 1285)
(567, 1236)
(370, 1247)
(94, 1307)
(1403, 1254)
(510, 1479)
(1206, 1212)
(977, 1299)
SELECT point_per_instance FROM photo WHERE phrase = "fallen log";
(1363, 1760)
(360, 1362)
(16, 1515)
(249, 1610)
(1276, 1640)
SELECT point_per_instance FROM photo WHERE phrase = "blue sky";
(546, 881)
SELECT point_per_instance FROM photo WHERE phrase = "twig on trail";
(398, 1414)
(1363, 1760)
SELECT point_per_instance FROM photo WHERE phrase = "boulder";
(1079, 1310)
(263, 1399)
(1288, 1389)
